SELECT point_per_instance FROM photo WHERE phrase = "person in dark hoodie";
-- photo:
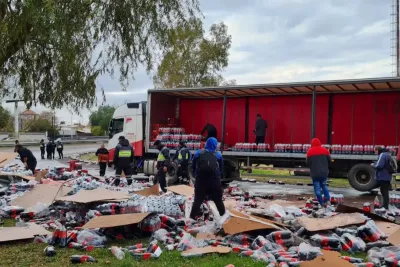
(102, 154)
(123, 158)
(48, 150)
(319, 160)
(163, 163)
(53, 148)
(60, 149)
(210, 129)
(207, 165)
(382, 174)
(182, 157)
(260, 130)
(42, 148)
(26, 157)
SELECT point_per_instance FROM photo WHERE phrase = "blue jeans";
(319, 187)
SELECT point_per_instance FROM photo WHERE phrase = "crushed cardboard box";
(115, 220)
(183, 190)
(42, 193)
(340, 220)
(207, 236)
(151, 191)
(96, 195)
(23, 177)
(19, 233)
(348, 209)
(40, 175)
(206, 250)
(241, 223)
(328, 259)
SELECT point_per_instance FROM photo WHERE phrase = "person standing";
(210, 129)
(53, 148)
(123, 158)
(182, 157)
(48, 150)
(102, 155)
(60, 149)
(383, 174)
(208, 168)
(163, 162)
(319, 160)
(260, 130)
(42, 147)
(27, 157)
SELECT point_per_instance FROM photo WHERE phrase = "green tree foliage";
(192, 59)
(97, 131)
(102, 117)
(5, 117)
(52, 51)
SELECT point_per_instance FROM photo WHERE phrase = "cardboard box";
(96, 195)
(115, 220)
(19, 233)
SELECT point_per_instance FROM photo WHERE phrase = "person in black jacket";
(42, 148)
(123, 158)
(27, 157)
(211, 131)
(182, 157)
(60, 149)
(49, 149)
(319, 160)
(53, 148)
(102, 154)
(260, 130)
(163, 162)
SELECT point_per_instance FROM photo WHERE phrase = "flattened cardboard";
(40, 175)
(207, 236)
(183, 190)
(241, 223)
(394, 238)
(99, 194)
(42, 193)
(340, 220)
(348, 209)
(151, 191)
(20, 233)
(230, 204)
(387, 227)
(6, 158)
(329, 259)
(115, 220)
(24, 177)
(283, 203)
(206, 250)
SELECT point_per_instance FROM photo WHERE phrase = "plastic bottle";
(49, 251)
(117, 252)
(82, 259)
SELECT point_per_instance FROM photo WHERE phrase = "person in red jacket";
(319, 159)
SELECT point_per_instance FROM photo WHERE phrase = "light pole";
(16, 121)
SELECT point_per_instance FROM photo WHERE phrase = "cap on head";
(181, 143)
(121, 138)
(258, 115)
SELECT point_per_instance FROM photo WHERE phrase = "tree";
(4, 117)
(97, 131)
(102, 117)
(193, 60)
(52, 51)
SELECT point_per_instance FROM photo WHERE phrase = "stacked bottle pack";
(251, 147)
(303, 148)
(172, 136)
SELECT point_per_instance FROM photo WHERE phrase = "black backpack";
(207, 163)
(392, 168)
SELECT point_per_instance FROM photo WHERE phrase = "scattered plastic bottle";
(117, 252)
(49, 251)
(82, 259)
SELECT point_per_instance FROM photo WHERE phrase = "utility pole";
(16, 119)
(396, 38)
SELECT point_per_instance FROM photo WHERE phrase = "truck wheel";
(362, 177)
(172, 174)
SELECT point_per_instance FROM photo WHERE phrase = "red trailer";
(348, 113)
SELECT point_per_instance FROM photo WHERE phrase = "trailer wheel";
(172, 174)
(362, 177)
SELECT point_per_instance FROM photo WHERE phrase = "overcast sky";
(287, 40)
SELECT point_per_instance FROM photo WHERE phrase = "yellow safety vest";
(124, 153)
(160, 157)
(59, 147)
(180, 157)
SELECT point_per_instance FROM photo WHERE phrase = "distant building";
(25, 117)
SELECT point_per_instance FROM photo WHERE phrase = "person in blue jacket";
(383, 176)
(207, 165)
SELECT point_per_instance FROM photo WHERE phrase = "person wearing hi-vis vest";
(102, 156)
(123, 158)
(42, 148)
(163, 162)
(60, 149)
(182, 157)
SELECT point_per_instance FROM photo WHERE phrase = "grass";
(26, 253)
(89, 157)
(279, 175)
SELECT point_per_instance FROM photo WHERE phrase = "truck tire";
(172, 174)
(362, 177)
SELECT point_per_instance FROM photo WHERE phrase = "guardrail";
(35, 143)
